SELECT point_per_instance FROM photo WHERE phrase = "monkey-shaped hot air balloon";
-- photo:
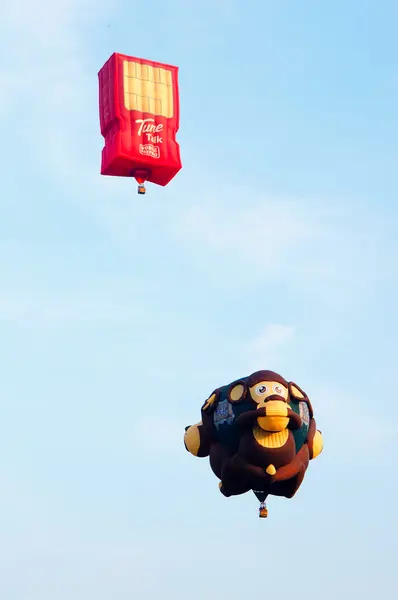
(260, 434)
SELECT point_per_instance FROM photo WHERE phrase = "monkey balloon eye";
(261, 389)
(278, 389)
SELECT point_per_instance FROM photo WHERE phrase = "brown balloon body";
(259, 433)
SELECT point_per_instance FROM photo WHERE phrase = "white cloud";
(328, 248)
(255, 230)
(266, 347)
(251, 237)
(111, 301)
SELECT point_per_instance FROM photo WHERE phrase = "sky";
(275, 247)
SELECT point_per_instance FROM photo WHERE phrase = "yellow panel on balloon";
(148, 89)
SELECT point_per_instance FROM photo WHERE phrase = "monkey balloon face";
(272, 397)
(264, 396)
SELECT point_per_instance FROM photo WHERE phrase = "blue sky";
(275, 247)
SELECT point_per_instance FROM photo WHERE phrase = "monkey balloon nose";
(273, 401)
(276, 397)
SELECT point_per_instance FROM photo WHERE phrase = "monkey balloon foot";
(224, 492)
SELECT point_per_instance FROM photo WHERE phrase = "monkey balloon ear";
(210, 402)
(237, 391)
(298, 394)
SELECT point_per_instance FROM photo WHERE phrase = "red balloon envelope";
(139, 117)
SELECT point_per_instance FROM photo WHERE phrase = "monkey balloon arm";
(197, 440)
(314, 440)
(292, 469)
(295, 419)
(247, 419)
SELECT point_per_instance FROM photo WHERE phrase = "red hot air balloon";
(139, 118)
